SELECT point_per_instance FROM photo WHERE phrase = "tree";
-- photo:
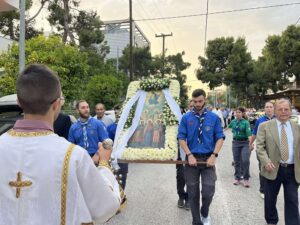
(69, 63)
(282, 53)
(76, 25)
(239, 68)
(227, 62)
(174, 65)
(104, 89)
(61, 17)
(213, 67)
(9, 22)
(142, 61)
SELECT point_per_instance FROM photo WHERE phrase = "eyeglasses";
(61, 98)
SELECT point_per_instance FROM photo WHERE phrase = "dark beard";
(83, 116)
(200, 110)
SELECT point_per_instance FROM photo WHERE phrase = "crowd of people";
(49, 157)
(277, 154)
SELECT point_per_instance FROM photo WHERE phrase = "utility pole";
(206, 26)
(117, 59)
(163, 49)
(22, 37)
(130, 42)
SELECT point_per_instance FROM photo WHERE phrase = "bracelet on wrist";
(103, 163)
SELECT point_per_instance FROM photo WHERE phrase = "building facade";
(117, 35)
(8, 5)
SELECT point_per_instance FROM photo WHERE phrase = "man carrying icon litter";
(201, 136)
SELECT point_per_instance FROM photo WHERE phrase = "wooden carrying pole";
(158, 161)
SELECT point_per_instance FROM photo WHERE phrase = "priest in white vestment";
(44, 180)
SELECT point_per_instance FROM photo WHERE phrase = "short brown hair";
(78, 103)
(37, 88)
(198, 92)
(100, 104)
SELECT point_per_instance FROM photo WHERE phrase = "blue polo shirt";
(211, 132)
(258, 122)
(96, 132)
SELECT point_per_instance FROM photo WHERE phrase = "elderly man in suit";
(278, 149)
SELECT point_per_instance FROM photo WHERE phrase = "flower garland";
(170, 121)
(130, 116)
(154, 84)
(169, 117)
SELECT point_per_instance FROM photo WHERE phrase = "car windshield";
(8, 119)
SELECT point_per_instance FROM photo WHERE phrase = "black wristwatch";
(215, 154)
(189, 154)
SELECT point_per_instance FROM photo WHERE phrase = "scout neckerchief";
(237, 127)
(201, 117)
(84, 132)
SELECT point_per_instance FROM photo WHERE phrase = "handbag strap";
(64, 184)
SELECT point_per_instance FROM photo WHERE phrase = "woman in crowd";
(240, 147)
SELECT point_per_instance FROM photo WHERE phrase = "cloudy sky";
(188, 33)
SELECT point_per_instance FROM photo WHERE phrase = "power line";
(151, 26)
(163, 36)
(159, 12)
(167, 24)
(220, 12)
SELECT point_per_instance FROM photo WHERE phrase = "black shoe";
(187, 205)
(180, 203)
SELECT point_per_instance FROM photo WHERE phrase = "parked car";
(10, 112)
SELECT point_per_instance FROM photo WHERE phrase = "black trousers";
(180, 181)
(208, 179)
(261, 178)
(286, 177)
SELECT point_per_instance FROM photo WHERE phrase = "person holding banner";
(201, 136)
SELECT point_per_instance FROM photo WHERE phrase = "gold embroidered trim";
(28, 134)
(18, 184)
(105, 164)
(64, 184)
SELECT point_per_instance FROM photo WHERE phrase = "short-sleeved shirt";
(240, 129)
(211, 132)
(259, 121)
(96, 132)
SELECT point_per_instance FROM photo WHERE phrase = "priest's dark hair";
(37, 88)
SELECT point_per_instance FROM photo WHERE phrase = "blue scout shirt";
(258, 122)
(111, 130)
(211, 132)
(96, 132)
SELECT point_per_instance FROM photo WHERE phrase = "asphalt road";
(152, 196)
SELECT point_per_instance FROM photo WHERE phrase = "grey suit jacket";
(268, 148)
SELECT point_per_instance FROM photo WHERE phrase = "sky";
(189, 32)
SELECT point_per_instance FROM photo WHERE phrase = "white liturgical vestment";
(31, 165)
